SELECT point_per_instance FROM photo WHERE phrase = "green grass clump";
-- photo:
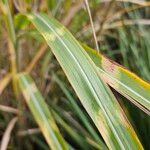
(58, 93)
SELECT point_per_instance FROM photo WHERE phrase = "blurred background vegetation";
(123, 32)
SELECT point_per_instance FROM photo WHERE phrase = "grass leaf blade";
(94, 94)
(79, 112)
(122, 80)
(41, 112)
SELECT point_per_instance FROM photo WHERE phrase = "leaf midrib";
(89, 83)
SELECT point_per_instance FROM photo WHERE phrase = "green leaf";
(125, 82)
(51, 3)
(79, 139)
(4, 82)
(93, 93)
(20, 22)
(41, 113)
(79, 112)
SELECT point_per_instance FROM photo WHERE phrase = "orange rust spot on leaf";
(109, 67)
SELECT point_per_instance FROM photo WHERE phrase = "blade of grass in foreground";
(79, 112)
(122, 80)
(41, 113)
(94, 94)
(80, 133)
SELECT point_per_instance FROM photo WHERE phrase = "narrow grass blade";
(94, 94)
(122, 80)
(9, 109)
(74, 135)
(78, 129)
(41, 113)
(79, 112)
(6, 137)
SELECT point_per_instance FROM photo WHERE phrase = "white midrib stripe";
(84, 74)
